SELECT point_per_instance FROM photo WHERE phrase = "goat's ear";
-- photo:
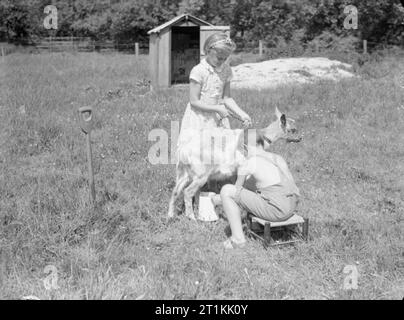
(278, 113)
(283, 121)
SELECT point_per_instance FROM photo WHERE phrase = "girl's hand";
(247, 123)
(222, 111)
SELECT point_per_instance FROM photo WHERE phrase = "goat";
(195, 166)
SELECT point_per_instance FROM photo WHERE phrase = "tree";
(381, 21)
(90, 19)
(276, 20)
(133, 19)
(242, 18)
(194, 7)
(19, 19)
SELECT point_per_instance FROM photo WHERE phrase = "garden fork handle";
(86, 116)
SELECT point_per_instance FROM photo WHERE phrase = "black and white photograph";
(201, 154)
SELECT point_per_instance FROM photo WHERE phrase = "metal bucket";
(206, 207)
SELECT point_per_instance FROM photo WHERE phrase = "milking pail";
(206, 207)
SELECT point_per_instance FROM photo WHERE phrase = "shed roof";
(177, 20)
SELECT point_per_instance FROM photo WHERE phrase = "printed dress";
(212, 85)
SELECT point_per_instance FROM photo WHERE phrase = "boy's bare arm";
(243, 172)
(240, 180)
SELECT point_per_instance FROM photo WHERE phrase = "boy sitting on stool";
(275, 198)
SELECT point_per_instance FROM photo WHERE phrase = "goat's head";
(282, 128)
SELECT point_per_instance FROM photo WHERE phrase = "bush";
(329, 41)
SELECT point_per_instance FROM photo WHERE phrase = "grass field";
(349, 168)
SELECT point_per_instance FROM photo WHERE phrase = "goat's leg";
(182, 180)
(196, 199)
(189, 192)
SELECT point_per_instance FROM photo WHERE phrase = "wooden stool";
(262, 229)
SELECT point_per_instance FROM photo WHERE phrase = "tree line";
(275, 21)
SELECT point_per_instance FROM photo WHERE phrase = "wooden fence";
(85, 44)
(64, 44)
(53, 44)
(262, 49)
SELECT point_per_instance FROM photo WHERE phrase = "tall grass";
(349, 168)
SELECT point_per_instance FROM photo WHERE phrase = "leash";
(235, 116)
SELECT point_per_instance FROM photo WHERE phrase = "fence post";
(365, 46)
(316, 46)
(2, 52)
(260, 48)
(137, 49)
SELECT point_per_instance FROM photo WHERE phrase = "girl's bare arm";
(194, 94)
(232, 105)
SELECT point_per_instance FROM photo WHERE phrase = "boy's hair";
(220, 41)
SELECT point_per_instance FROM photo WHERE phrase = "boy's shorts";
(264, 208)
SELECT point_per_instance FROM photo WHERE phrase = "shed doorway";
(185, 53)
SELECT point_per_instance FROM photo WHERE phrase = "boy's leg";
(257, 205)
(232, 212)
(217, 200)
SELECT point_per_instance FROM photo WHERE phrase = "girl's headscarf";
(221, 42)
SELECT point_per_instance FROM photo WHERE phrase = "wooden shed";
(176, 47)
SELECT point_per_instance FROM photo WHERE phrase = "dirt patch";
(272, 73)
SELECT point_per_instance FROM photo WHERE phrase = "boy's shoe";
(231, 244)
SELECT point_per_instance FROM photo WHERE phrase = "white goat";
(217, 153)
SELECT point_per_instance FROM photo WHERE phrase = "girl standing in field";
(210, 103)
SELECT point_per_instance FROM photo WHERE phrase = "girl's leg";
(232, 212)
